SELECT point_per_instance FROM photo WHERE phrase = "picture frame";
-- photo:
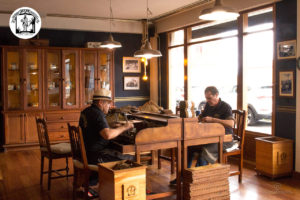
(286, 84)
(286, 49)
(131, 82)
(131, 65)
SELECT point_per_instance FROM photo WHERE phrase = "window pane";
(213, 64)
(213, 30)
(260, 20)
(176, 38)
(176, 77)
(258, 58)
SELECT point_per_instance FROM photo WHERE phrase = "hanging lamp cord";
(111, 16)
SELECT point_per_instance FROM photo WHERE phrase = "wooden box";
(274, 156)
(123, 184)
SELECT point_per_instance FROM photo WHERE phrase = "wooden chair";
(82, 169)
(51, 151)
(240, 117)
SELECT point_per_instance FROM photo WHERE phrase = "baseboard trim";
(296, 175)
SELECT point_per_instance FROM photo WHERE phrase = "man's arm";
(224, 122)
(109, 133)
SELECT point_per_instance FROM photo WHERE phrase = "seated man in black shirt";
(96, 132)
(215, 111)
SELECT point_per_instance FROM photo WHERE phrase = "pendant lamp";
(219, 12)
(146, 50)
(110, 43)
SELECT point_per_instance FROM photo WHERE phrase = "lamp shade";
(219, 13)
(110, 43)
(146, 51)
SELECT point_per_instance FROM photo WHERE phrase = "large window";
(213, 64)
(258, 69)
(213, 59)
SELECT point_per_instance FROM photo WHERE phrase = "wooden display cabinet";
(53, 82)
(97, 72)
(62, 79)
(20, 128)
(22, 77)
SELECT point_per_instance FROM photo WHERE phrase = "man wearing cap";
(96, 132)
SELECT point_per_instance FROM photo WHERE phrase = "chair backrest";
(77, 144)
(240, 117)
(43, 134)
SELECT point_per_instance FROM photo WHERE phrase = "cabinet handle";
(61, 117)
(62, 127)
(61, 136)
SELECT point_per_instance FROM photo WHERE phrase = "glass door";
(89, 79)
(32, 79)
(53, 79)
(13, 80)
(104, 72)
(70, 79)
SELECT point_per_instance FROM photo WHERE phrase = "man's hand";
(208, 119)
(129, 125)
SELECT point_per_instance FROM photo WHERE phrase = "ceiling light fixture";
(219, 12)
(110, 43)
(146, 50)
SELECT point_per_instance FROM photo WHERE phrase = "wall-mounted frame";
(286, 49)
(131, 82)
(286, 84)
(131, 65)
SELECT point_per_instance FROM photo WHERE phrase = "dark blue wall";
(285, 108)
(68, 38)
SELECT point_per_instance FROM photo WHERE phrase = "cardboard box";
(122, 184)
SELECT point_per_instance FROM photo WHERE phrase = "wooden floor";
(20, 171)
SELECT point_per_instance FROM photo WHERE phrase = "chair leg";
(49, 173)
(158, 159)
(42, 170)
(152, 157)
(86, 185)
(241, 168)
(67, 167)
(75, 183)
(173, 160)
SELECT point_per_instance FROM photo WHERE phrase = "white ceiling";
(122, 9)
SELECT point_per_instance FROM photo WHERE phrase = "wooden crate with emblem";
(117, 183)
(274, 156)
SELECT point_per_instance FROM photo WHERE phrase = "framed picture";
(131, 82)
(286, 49)
(131, 65)
(286, 84)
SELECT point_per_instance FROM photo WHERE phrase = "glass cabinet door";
(14, 79)
(70, 79)
(104, 71)
(32, 79)
(89, 79)
(53, 78)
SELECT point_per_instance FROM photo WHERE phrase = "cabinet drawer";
(56, 117)
(58, 135)
(60, 126)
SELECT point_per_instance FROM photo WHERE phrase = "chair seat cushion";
(60, 148)
(234, 147)
(79, 165)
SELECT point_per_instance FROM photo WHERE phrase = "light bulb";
(145, 77)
